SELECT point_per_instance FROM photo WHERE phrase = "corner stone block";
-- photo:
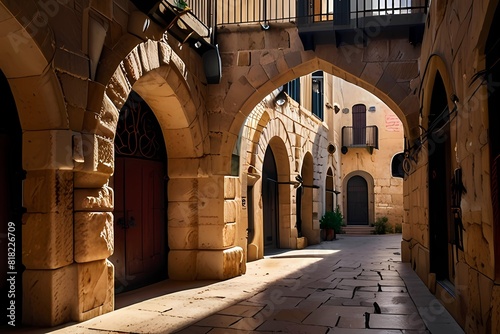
(47, 240)
(94, 236)
(230, 211)
(93, 199)
(49, 149)
(91, 179)
(229, 187)
(216, 236)
(93, 290)
(220, 264)
(48, 191)
(182, 265)
(48, 296)
(99, 154)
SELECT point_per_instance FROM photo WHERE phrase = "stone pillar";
(182, 226)
(202, 226)
(93, 228)
(68, 227)
(218, 257)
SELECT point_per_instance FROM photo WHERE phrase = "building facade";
(105, 103)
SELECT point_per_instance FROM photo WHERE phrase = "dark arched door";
(270, 200)
(140, 255)
(439, 155)
(357, 201)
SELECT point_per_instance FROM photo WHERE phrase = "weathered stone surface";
(50, 149)
(94, 237)
(182, 214)
(48, 191)
(182, 264)
(49, 296)
(180, 238)
(217, 264)
(229, 187)
(231, 208)
(93, 289)
(99, 154)
(216, 236)
(94, 199)
(47, 240)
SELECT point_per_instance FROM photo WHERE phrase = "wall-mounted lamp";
(280, 99)
(336, 109)
(372, 109)
(345, 110)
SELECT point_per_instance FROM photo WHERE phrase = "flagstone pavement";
(355, 284)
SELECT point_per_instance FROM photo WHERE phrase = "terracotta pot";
(327, 234)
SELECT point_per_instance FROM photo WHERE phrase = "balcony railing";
(310, 11)
(360, 136)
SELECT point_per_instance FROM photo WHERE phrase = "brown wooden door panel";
(140, 224)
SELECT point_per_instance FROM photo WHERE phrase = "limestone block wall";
(454, 47)
(71, 66)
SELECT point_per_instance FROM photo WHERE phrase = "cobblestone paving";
(355, 284)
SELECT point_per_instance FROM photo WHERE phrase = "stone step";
(359, 230)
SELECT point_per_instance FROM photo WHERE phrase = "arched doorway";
(305, 193)
(270, 201)
(439, 176)
(140, 255)
(11, 176)
(357, 201)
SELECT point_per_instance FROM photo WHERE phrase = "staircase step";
(359, 230)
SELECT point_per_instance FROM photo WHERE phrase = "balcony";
(366, 136)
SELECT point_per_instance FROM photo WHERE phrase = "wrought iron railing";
(310, 11)
(366, 136)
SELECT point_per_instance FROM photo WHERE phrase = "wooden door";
(140, 247)
(139, 183)
(359, 124)
(357, 201)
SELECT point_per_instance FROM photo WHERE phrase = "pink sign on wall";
(393, 124)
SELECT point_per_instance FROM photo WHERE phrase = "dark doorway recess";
(11, 178)
(270, 201)
(439, 150)
(357, 201)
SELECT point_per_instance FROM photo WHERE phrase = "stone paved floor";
(355, 284)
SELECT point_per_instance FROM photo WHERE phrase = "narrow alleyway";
(327, 288)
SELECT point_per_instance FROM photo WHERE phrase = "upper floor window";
(317, 94)
(292, 88)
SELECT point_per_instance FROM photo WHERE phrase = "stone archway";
(275, 137)
(161, 83)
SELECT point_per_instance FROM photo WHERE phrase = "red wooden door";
(140, 224)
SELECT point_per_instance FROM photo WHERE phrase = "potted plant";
(331, 223)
